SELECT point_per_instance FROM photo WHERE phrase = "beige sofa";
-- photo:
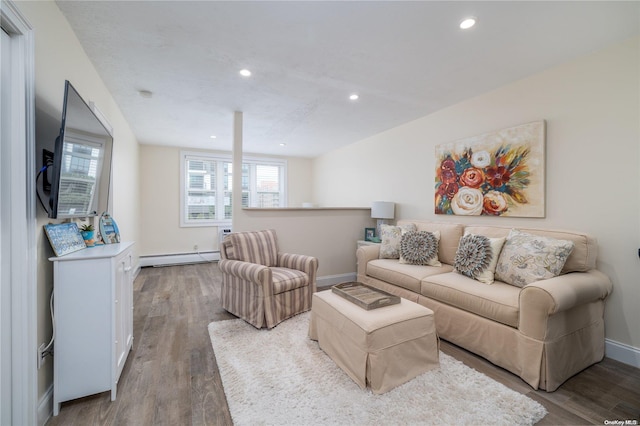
(545, 332)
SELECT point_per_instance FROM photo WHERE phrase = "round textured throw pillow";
(473, 256)
(418, 247)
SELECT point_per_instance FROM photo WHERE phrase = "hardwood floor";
(171, 376)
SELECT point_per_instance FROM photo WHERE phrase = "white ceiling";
(404, 59)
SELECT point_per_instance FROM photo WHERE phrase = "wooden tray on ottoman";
(365, 296)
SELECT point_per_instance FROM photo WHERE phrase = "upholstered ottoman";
(383, 347)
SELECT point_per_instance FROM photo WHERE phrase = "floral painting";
(495, 174)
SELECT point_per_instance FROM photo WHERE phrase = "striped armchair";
(261, 285)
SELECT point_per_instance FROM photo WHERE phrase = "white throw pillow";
(527, 258)
(390, 236)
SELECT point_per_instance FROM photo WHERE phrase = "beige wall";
(331, 235)
(59, 57)
(593, 158)
(591, 107)
(299, 182)
(160, 202)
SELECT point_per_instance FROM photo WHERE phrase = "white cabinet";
(93, 311)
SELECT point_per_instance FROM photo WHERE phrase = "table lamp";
(382, 210)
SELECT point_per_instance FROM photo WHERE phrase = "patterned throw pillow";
(420, 248)
(390, 236)
(526, 258)
(477, 257)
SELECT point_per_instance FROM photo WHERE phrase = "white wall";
(59, 57)
(329, 234)
(160, 202)
(591, 106)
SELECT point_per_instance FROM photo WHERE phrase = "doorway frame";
(22, 241)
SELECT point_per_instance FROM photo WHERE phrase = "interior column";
(236, 201)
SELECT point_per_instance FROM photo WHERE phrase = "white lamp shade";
(382, 209)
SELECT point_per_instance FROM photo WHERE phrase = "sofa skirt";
(543, 364)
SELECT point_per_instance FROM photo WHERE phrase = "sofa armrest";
(364, 254)
(307, 264)
(542, 299)
(226, 250)
(300, 262)
(246, 271)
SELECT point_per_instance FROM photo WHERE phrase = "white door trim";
(23, 262)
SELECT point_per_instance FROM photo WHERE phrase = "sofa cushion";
(527, 258)
(391, 236)
(498, 302)
(581, 259)
(420, 248)
(402, 274)
(477, 257)
(285, 279)
(450, 234)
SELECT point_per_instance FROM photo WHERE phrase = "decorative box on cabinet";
(93, 311)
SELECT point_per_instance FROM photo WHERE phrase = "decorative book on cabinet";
(93, 311)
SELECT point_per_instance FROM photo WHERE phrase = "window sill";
(212, 224)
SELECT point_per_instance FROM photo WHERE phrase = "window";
(81, 161)
(207, 180)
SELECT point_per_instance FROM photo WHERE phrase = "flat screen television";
(81, 166)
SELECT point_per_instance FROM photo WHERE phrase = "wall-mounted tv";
(81, 167)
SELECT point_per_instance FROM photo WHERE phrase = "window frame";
(220, 159)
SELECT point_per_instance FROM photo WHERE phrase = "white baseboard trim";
(621, 352)
(179, 259)
(322, 283)
(136, 271)
(45, 406)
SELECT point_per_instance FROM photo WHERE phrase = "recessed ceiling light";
(145, 93)
(283, 144)
(468, 22)
(245, 72)
(354, 97)
(213, 136)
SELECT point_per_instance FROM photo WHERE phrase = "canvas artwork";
(496, 174)
(64, 238)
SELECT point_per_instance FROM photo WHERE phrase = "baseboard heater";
(179, 259)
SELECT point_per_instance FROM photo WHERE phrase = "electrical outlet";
(41, 355)
(195, 247)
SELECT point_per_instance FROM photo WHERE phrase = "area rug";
(281, 377)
